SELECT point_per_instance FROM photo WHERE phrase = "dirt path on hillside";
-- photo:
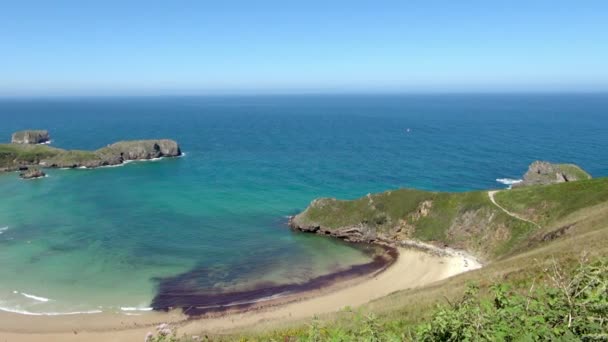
(491, 195)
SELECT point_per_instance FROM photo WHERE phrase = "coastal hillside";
(545, 279)
(489, 224)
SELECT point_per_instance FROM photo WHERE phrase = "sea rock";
(543, 173)
(32, 173)
(141, 149)
(30, 137)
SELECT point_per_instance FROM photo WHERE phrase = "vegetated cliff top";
(486, 224)
(542, 172)
(21, 156)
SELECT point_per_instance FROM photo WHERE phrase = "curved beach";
(413, 268)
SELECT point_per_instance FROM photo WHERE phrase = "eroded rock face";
(141, 149)
(32, 173)
(31, 137)
(543, 173)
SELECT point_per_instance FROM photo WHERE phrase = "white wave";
(508, 181)
(3, 229)
(130, 308)
(31, 296)
(24, 312)
(29, 179)
(46, 142)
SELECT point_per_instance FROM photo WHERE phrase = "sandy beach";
(413, 268)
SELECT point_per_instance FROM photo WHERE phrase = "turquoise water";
(105, 239)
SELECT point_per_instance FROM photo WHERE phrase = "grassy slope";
(575, 170)
(12, 155)
(467, 220)
(582, 206)
(548, 203)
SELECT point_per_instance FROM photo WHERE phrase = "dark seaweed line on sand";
(174, 292)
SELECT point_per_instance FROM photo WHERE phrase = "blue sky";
(199, 47)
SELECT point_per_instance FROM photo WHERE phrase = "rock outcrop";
(543, 173)
(32, 173)
(141, 149)
(30, 137)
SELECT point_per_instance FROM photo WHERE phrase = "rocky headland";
(22, 155)
(543, 173)
(465, 221)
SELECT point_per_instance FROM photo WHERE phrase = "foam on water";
(130, 308)
(31, 296)
(509, 181)
(31, 313)
(3, 229)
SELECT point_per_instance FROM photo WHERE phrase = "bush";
(567, 306)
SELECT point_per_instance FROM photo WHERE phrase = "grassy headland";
(22, 156)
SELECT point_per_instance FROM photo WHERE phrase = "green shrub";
(566, 306)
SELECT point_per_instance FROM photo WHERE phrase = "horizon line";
(304, 93)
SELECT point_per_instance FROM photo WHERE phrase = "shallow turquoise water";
(102, 239)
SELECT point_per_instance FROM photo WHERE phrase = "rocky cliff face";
(141, 149)
(543, 173)
(30, 137)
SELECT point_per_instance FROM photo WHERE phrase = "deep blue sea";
(102, 240)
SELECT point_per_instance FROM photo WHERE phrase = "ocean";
(105, 239)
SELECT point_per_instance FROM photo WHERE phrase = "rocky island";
(31, 137)
(25, 153)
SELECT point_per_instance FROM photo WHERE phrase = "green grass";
(574, 170)
(547, 203)
(467, 220)
(12, 155)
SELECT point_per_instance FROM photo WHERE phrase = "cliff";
(30, 137)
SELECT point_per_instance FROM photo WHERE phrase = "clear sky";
(198, 47)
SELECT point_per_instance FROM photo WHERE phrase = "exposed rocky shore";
(25, 154)
(32, 173)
